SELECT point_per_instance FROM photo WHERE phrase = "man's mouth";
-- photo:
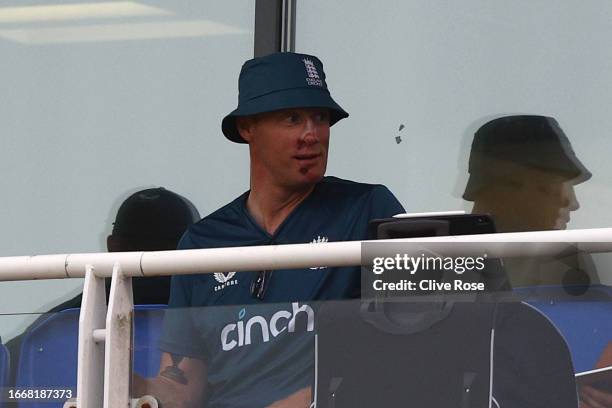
(562, 221)
(305, 158)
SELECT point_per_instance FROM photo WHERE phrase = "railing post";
(90, 382)
(119, 341)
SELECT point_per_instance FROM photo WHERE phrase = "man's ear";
(244, 124)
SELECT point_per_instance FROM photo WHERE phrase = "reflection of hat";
(280, 81)
(155, 213)
(530, 141)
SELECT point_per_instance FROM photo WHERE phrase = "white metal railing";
(273, 256)
(105, 334)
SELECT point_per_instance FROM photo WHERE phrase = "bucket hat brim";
(283, 99)
(576, 173)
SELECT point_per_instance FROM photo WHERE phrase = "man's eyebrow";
(287, 112)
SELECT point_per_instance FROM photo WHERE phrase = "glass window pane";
(103, 99)
(420, 78)
(488, 107)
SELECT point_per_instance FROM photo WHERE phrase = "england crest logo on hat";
(313, 74)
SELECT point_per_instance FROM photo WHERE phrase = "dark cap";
(155, 213)
(530, 141)
(280, 81)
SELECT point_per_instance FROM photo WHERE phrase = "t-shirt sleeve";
(384, 203)
(179, 335)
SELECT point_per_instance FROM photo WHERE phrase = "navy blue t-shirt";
(260, 351)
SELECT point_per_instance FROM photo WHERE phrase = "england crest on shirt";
(319, 240)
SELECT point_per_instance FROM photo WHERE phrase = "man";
(152, 219)
(523, 171)
(219, 354)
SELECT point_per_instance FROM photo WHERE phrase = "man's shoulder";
(222, 227)
(336, 185)
(229, 211)
(377, 197)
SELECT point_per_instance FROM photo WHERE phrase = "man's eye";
(322, 117)
(292, 118)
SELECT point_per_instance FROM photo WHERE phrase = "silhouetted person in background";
(148, 220)
(523, 171)
(151, 220)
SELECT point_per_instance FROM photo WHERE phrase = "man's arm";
(181, 382)
(591, 397)
(299, 399)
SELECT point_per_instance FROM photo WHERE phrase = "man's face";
(533, 201)
(551, 203)
(288, 147)
(569, 203)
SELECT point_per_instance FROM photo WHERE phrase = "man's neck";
(506, 220)
(271, 205)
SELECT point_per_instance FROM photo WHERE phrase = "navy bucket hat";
(530, 141)
(280, 81)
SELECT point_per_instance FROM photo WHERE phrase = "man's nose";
(310, 134)
(573, 203)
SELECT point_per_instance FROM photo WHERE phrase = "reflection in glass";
(99, 92)
(47, 362)
(246, 355)
(45, 372)
(148, 220)
(479, 351)
(153, 219)
(523, 171)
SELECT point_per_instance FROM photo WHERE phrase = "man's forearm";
(181, 383)
(300, 399)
